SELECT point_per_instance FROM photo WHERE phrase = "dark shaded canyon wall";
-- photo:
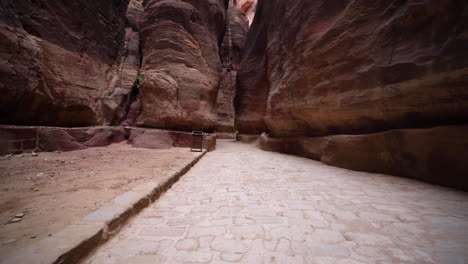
(318, 68)
(59, 59)
(181, 63)
(122, 90)
(231, 52)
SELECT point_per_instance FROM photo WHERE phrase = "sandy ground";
(53, 190)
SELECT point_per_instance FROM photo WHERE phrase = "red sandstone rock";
(135, 12)
(151, 139)
(231, 51)
(437, 155)
(163, 139)
(68, 139)
(317, 68)
(133, 113)
(248, 7)
(330, 67)
(58, 139)
(181, 63)
(58, 59)
(123, 87)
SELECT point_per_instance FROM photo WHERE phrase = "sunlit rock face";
(247, 6)
(231, 52)
(318, 68)
(181, 63)
(58, 59)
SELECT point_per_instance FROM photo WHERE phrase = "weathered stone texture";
(123, 88)
(231, 52)
(437, 155)
(69, 139)
(317, 68)
(329, 67)
(163, 139)
(247, 6)
(181, 63)
(57, 60)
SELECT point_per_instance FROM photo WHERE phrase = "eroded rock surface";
(248, 7)
(231, 52)
(181, 63)
(57, 60)
(437, 155)
(319, 67)
(123, 90)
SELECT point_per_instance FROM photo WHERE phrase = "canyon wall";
(134, 62)
(59, 60)
(181, 63)
(247, 6)
(231, 51)
(317, 68)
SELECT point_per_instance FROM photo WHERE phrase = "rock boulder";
(181, 63)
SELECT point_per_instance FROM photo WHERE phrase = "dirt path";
(54, 190)
(240, 204)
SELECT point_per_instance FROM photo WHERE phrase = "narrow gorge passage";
(241, 204)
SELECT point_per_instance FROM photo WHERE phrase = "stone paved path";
(240, 204)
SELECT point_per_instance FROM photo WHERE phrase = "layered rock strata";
(231, 52)
(181, 63)
(123, 89)
(319, 68)
(58, 60)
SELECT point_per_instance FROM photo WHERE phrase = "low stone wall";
(436, 155)
(16, 139)
(244, 138)
(158, 138)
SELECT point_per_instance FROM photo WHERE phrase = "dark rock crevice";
(231, 51)
(124, 88)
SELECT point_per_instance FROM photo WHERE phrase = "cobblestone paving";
(240, 204)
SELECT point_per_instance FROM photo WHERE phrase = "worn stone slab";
(244, 205)
(106, 214)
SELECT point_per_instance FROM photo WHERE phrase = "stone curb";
(76, 241)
